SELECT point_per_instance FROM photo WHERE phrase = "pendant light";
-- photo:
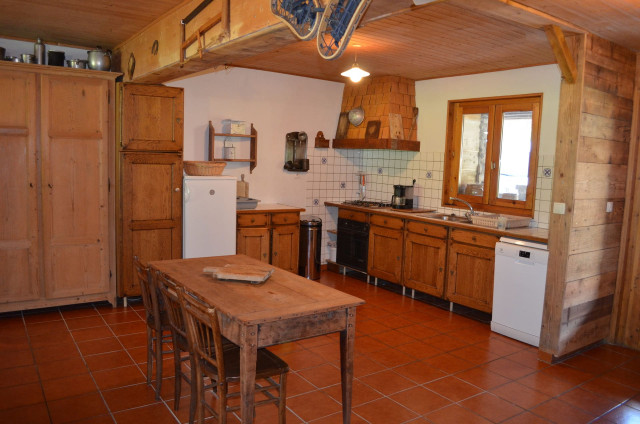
(355, 73)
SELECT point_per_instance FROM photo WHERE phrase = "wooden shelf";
(253, 152)
(378, 143)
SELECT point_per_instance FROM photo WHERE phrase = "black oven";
(353, 244)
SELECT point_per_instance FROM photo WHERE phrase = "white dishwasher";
(518, 289)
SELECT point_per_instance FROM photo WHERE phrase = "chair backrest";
(149, 293)
(203, 331)
(169, 292)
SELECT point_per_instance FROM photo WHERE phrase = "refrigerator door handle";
(186, 192)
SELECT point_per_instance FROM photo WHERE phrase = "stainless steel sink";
(444, 217)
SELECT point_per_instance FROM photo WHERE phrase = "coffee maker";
(402, 196)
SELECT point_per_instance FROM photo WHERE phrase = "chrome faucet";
(471, 211)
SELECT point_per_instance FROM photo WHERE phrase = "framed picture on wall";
(343, 126)
(373, 129)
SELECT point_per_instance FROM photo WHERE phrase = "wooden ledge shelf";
(377, 143)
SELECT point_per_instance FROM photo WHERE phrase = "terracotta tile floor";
(415, 363)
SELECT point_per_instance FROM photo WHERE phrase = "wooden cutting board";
(254, 274)
(242, 187)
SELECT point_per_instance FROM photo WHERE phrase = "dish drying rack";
(492, 221)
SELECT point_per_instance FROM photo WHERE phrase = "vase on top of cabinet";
(149, 184)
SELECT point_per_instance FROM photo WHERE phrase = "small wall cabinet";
(252, 138)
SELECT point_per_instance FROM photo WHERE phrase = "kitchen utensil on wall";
(99, 59)
(38, 52)
(356, 116)
(295, 152)
(55, 58)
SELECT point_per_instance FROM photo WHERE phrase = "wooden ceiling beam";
(562, 53)
(509, 10)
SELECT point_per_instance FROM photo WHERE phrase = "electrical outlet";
(609, 207)
(559, 208)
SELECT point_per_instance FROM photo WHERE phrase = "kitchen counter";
(525, 233)
(270, 207)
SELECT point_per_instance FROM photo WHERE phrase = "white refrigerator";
(208, 216)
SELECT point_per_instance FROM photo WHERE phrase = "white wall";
(432, 97)
(276, 104)
(16, 48)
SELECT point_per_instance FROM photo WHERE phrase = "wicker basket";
(203, 168)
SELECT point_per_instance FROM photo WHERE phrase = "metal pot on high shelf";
(99, 59)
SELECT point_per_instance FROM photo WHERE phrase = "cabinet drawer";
(473, 237)
(286, 218)
(427, 229)
(386, 221)
(352, 215)
(253, 220)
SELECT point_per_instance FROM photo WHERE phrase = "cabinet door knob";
(474, 238)
(177, 189)
(275, 253)
(253, 220)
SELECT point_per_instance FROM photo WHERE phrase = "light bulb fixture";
(355, 73)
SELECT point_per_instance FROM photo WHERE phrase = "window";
(491, 155)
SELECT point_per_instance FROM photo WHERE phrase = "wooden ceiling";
(444, 38)
(81, 23)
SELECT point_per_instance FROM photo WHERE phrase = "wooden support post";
(561, 52)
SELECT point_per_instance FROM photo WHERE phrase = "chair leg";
(158, 363)
(282, 403)
(199, 396)
(178, 375)
(194, 390)
(149, 354)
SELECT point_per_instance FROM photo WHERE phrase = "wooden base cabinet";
(270, 236)
(385, 248)
(425, 256)
(470, 266)
(57, 209)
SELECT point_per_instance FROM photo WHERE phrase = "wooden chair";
(158, 328)
(169, 295)
(221, 364)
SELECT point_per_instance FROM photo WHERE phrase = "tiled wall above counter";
(335, 173)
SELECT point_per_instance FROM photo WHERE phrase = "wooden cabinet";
(272, 236)
(149, 184)
(385, 247)
(470, 268)
(56, 214)
(425, 255)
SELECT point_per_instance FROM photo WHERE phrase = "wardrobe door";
(19, 185)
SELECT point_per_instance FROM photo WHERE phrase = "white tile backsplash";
(344, 165)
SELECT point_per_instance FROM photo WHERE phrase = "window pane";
(515, 149)
(473, 153)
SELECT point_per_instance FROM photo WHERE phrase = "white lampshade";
(355, 74)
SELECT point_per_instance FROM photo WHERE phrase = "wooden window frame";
(495, 107)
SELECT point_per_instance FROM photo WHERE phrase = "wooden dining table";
(286, 307)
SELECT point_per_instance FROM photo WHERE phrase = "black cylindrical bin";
(310, 247)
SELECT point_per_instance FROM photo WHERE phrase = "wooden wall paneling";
(585, 289)
(569, 120)
(604, 116)
(597, 180)
(586, 239)
(75, 147)
(19, 185)
(602, 151)
(625, 325)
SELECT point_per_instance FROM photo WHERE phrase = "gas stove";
(367, 203)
